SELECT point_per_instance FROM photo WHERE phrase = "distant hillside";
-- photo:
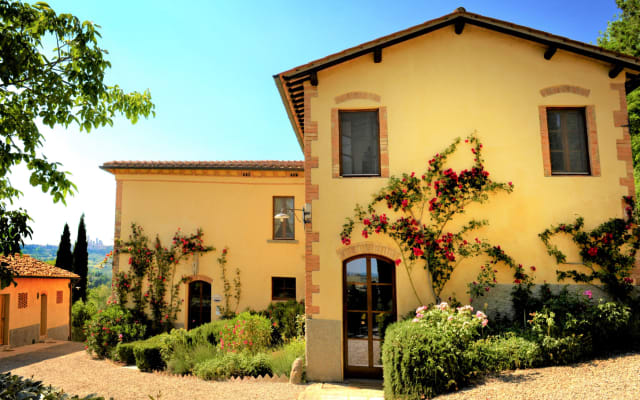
(97, 276)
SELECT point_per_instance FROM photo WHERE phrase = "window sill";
(283, 298)
(288, 241)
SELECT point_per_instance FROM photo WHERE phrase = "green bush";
(124, 353)
(207, 333)
(229, 365)
(184, 357)
(17, 387)
(148, 354)
(246, 332)
(283, 318)
(428, 355)
(283, 358)
(81, 313)
(108, 328)
(503, 352)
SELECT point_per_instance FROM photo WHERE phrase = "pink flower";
(417, 251)
(398, 261)
(365, 233)
(588, 293)
(593, 251)
(485, 322)
(405, 202)
(533, 268)
(366, 221)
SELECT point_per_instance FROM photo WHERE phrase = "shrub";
(185, 357)
(207, 333)
(427, 356)
(81, 312)
(282, 359)
(229, 365)
(283, 317)
(508, 351)
(148, 354)
(124, 353)
(109, 327)
(17, 387)
(245, 332)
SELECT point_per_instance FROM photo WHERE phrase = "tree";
(64, 258)
(81, 262)
(51, 72)
(623, 35)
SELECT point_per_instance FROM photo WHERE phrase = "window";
(22, 300)
(283, 288)
(59, 297)
(359, 143)
(283, 228)
(568, 146)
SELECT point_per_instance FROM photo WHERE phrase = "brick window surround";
(592, 140)
(383, 137)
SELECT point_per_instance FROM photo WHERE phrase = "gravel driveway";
(68, 366)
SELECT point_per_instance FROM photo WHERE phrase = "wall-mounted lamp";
(306, 214)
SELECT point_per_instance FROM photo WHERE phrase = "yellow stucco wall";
(22, 318)
(440, 86)
(234, 211)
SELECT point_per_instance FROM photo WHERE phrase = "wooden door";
(3, 317)
(369, 306)
(199, 303)
(43, 315)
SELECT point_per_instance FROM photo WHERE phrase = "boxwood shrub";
(229, 365)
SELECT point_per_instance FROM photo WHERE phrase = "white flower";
(443, 306)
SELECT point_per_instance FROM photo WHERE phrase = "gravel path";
(69, 367)
(613, 378)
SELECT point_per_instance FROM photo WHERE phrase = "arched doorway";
(369, 305)
(199, 303)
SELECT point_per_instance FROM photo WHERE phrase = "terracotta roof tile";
(253, 164)
(27, 266)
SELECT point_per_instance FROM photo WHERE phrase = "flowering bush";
(245, 332)
(158, 266)
(428, 355)
(426, 204)
(109, 327)
(608, 251)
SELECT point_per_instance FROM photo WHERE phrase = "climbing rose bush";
(109, 327)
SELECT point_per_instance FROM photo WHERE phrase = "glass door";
(369, 306)
(199, 304)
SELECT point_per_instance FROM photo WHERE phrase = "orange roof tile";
(27, 266)
(253, 164)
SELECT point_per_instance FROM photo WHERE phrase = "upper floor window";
(568, 146)
(359, 143)
(283, 218)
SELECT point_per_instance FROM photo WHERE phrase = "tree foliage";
(623, 35)
(81, 262)
(51, 72)
(64, 258)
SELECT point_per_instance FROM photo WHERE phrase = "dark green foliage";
(64, 258)
(81, 262)
(52, 71)
(283, 316)
(17, 387)
(13, 231)
(503, 352)
(124, 353)
(148, 355)
(423, 360)
(231, 365)
(81, 313)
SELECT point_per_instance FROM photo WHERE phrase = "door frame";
(354, 371)
(4, 319)
(43, 314)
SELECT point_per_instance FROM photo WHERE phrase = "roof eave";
(288, 106)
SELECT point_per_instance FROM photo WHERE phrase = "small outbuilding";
(39, 306)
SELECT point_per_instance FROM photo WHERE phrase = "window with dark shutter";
(359, 143)
(568, 146)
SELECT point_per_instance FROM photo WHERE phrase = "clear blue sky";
(209, 66)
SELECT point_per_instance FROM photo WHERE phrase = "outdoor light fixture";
(306, 214)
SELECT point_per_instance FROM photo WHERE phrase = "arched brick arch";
(368, 248)
(357, 96)
(205, 278)
(548, 91)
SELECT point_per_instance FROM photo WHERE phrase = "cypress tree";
(64, 258)
(80, 262)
